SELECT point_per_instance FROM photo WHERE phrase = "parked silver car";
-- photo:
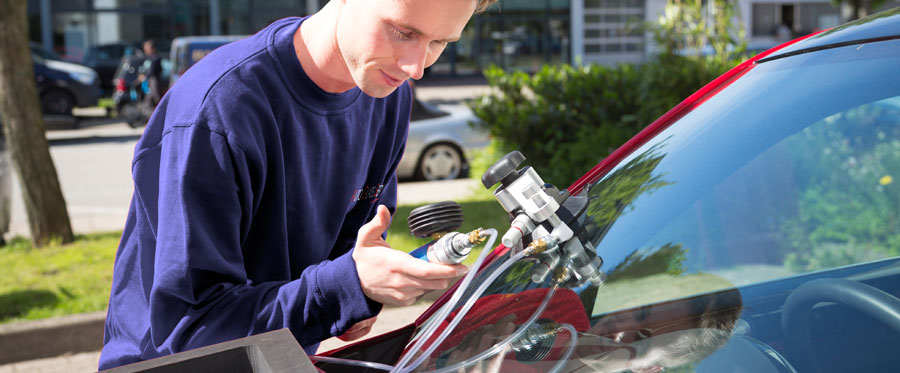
(440, 142)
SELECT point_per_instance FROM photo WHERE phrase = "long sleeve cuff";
(338, 289)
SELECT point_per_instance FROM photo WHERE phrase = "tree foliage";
(847, 210)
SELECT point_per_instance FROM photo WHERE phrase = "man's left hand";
(358, 331)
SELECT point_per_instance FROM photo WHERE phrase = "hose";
(499, 346)
(459, 315)
(432, 325)
(367, 364)
(573, 335)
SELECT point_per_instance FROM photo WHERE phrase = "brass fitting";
(536, 247)
(477, 237)
(437, 235)
(561, 275)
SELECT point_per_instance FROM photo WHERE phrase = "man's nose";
(413, 61)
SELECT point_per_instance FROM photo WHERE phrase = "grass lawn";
(58, 279)
(76, 278)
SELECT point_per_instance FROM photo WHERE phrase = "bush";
(565, 119)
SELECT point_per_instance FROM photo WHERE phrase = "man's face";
(385, 42)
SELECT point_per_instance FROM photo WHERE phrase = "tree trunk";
(23, 125)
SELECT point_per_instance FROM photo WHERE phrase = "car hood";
(69, 67)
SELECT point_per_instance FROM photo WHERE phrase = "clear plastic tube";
(358, 363)
(462, 312)
(573, 335)
(432, 325)
(496, 348)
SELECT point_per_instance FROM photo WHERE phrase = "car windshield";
(717, 235)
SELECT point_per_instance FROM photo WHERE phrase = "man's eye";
(400, 35)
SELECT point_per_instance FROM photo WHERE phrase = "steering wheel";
(795, 316)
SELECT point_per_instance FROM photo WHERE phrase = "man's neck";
(315, 43)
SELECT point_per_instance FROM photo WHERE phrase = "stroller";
(135, 111)
(131, 91)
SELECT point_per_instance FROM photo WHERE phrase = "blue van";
(187, 50)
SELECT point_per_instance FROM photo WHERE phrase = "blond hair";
(483, 5)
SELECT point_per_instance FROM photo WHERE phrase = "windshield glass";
(784, 177)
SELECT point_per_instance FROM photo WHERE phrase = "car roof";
(881, 26)
(207, 38)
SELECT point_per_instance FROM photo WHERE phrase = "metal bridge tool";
(543, 217)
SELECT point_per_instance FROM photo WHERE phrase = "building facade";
(609, 31)
(513, 34)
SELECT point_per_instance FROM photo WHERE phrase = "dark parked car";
(37, 49)
(754, 227)
(63, 86)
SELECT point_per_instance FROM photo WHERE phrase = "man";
(152, 77)
(257, 174)
(657, 332)
(153, 74)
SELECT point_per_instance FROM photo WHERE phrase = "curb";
(58, 336)
(98, 133)
(51, 337)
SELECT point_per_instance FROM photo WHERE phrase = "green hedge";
(565, 119)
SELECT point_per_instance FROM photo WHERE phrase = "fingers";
(362, 325)
(432, 271)
(392, 277)
(352, 336)
(375, 227)
(358, 330)
(406, 297)
(413, 283)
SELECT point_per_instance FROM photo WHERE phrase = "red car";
(755, 227)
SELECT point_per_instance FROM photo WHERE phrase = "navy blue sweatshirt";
(250, 186)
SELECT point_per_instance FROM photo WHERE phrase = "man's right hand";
(393, 277)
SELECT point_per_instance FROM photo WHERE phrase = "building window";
(613, 31)
(788, 20)
(515, 35)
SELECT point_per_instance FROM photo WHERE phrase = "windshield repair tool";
(543, 216)
(439, 221)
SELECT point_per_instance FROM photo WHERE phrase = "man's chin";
(377, 91)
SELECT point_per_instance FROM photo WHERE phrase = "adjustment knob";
(440, 217)
(503, 170)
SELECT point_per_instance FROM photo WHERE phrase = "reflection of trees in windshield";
(847, 210)
(611, 196)
(668, 259)
(517, 278)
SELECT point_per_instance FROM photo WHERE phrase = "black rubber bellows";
(439, 217)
